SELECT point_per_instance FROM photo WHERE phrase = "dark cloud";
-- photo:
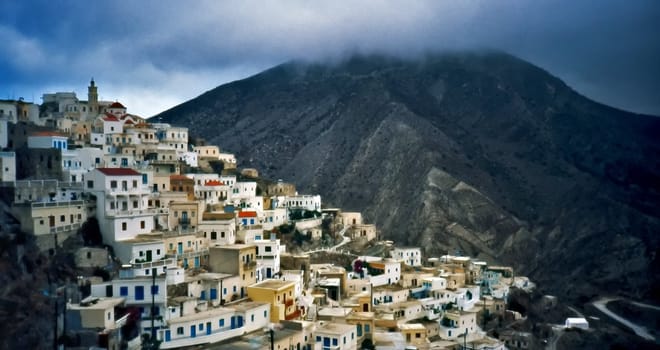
(166, 52)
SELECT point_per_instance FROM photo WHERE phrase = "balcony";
(187, 254)
(184, 221)
(288, 302)
(250, 264)
(292, 316)
(65, 228)
(134, 212)
(57, 204)
(152, 264)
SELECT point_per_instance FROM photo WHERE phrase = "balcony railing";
(188, 254)
(250, 264)
(151, 264)
(292, 316)
(65, 228)
(57, 204)
(134, 212)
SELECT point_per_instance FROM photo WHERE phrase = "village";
(202, 254)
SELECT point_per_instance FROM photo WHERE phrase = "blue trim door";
(193, 331)
(208, 328)
(168, 335)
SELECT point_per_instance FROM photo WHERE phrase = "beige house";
(235, 259)
(414, 333)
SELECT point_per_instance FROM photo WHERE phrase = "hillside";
(480, 153)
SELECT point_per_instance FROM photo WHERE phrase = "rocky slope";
(477, 152)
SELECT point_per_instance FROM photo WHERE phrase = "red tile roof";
(128, 122)
(179, 177)
(247, 214)
(47, 133)
(117, 105)
(118, 171)
(110, 118)
(213, 183)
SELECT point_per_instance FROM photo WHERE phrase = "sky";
(153, 55)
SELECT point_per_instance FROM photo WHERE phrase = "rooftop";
(96, 304)
(273, 284)
(118, 172)
(47, 133)
(334, 328)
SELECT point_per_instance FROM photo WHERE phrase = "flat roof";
(238, 246)
(334, 328)
(273, 284)
(411, 326)
(335, 311)
(97, 304)
(211, 312)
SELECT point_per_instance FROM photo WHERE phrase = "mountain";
(477, 152)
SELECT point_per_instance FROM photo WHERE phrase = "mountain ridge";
(551, 170)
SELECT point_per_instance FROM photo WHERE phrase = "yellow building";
(280, 295)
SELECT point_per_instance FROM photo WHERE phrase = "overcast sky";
(153, 55)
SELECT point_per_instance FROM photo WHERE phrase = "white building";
(307, 202)
(335, 336)
(214, 325)
(7, 166)
(218, 228)
(122, 202)
(411, 256)
(48, 139)
(268, 257)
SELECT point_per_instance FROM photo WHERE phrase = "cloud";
(606, 49)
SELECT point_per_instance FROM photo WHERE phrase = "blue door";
(139, 293)
(268, 272)
(203, 295)
(168, 336)
(233, 322)
(214, 294)
(239, 321)
(193, 331)
(179, 247)
(185, 263)
(326, 342)
(208, 328)
(196, 261)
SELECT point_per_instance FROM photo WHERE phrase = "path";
(601, 304)
(344, 241)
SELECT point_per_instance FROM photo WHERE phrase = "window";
(179, 330)
(139, 292)
(113, 184)
(90, 184)
(142, 224)
(135, 185)
(252, 318)
(268, 248)
(123, 226)
(62, 218)
(200, 327)
(123, 291)
(334, 341)
(154, 290)
(265, 314)
(214, 235)
(221, 322)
